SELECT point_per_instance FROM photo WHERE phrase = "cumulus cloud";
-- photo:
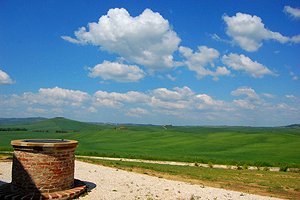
(117, 71)
(4, 78)
(179, 105)
(204, 101)
(247, 91)
(147, 39)
(293, 12)
(249, 32)
(251, 100)
(56, 96)
(244, 63)
(137, 112)
(178, 98)
(175, 94)
(295, 39)
(163, 93)
(169, 104)
(184, 99)
(200, 60)
(116, 100)
(245, 104)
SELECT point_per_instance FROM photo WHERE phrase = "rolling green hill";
(227, 145)
(12, 121)
(54, 124)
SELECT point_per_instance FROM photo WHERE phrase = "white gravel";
(110, 183)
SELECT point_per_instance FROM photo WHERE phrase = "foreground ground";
(111, 183)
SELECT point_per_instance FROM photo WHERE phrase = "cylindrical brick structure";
(43, 165)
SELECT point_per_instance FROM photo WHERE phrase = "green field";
(222, 145)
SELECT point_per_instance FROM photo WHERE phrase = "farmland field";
(222, 145)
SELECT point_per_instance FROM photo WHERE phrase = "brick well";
(43, 166)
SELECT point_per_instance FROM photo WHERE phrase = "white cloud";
(4, 78)
(72, 40)
(185, 91)
(147, 39)
(92, 109)
(170, 77)
(283, 106)
(249, 92)
(249, 32)
(293, 12)
(116, 100)
(137, 112)
(219, 39)
(117, 71)
(36, 110)
(295, 39)
(178, 98)
(204, 101)
(244, 63)
(271, 96)
(163, 93)
(173, 95)
(56, 96)
(245, 104)
(293, 76)
(200, 60)
(251, 100)
(179, 105)
(168, 104)
(290, 96)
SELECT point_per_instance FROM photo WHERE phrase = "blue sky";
(170, 62)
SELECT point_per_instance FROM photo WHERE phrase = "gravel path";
(110, 183)
(216, 166)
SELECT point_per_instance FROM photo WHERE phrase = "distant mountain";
(293, 126)
(14, 121)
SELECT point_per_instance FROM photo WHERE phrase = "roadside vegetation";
(5, 157)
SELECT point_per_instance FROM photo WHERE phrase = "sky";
(151, 62)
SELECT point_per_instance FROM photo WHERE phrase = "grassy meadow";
(220, 145)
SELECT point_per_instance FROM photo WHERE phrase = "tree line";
(13, 129)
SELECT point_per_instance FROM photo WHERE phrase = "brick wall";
(44, 169)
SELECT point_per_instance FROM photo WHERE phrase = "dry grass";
(5, 157)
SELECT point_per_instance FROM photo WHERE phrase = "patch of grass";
(5, 157)
(279, 184)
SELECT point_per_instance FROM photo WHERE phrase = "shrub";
(245, 167)
(266, 169)
(283, 168)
